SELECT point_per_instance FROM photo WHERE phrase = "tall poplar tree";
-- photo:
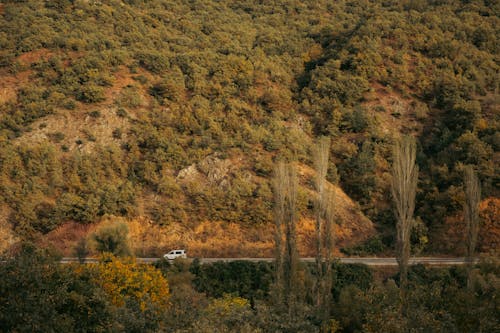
(325, 215)
(471, 216)
(404, 187)
(285, 195)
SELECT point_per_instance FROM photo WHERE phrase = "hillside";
(171, 114)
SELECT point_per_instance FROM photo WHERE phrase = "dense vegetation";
(175, 112)
(37, 294)
(176, 82)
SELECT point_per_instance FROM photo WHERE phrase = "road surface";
(370, 261)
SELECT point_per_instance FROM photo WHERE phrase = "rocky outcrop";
(212, 170)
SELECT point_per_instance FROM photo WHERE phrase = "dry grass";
(6, 95)
(28, 58)
(9, 84)
(219, 239)
(208, 239)
(352, 225)
(65, 237)
(7, 236)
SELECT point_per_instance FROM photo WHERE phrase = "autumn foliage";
(452, 236)
(124, 280)
(489, 231)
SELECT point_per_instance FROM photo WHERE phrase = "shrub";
(153, 61)
(56, 137)
(117, 133)
(344, 275)
(140, 78)
(371, 246)
(121, 112)
(112, 237)
(95, 114)
(245, 279)
(90, 93)
(130, 97)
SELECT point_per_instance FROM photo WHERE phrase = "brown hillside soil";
(9, 84)
(122, 78)
(28, 58)
(7, 236)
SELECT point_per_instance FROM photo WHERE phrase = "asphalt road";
(366, 261)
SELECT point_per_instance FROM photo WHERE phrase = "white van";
(175, 254)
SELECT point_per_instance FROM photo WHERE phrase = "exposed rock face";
(211, 170)
(188, 174)
(215, 169)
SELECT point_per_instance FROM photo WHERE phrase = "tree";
(279, 186)
(285, 188)
(404, 187)
(471, 215)
(320, 155)
(112, 237)
(125, 279)
(489, 235)
(38, 294)
(330, 217)
(325, 214)
(228, 313)
(81, 250)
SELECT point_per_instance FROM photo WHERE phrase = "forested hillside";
(170, 114)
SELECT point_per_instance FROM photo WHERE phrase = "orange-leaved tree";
(489, 233)
(125, 280)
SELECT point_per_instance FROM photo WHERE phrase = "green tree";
(37, 294)
(112, 237)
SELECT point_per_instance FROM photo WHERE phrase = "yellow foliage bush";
(227, 305)
(124, 279)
